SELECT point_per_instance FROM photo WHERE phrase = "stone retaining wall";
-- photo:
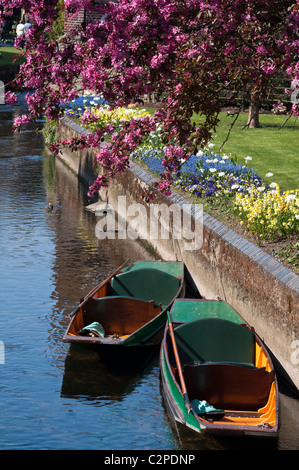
(226, 267)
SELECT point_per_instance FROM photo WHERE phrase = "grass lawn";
(272, 149)
(7, 56)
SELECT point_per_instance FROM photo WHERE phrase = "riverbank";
(8, 73)
(217, 180)
(226, 267)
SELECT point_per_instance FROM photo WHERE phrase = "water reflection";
(81, 261)
(87, 375)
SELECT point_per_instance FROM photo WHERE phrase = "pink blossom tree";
(189, 50)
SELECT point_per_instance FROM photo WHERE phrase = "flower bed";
(205, 175)
(76, 108)
(94, 113)
(260, 206)
(269, 212)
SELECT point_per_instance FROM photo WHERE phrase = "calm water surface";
(54, 396)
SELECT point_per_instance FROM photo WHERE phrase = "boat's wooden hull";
(129, 321)
(217, 382)
(148, 334)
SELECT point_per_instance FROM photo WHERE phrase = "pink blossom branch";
(187, 50)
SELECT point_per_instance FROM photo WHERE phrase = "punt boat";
(129, 307)
(217, 376)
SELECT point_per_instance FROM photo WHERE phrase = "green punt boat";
(129, 307)
(217, 376)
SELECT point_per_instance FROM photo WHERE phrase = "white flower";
(221, 173)
(212, 170)
(235, 186)
(261, 188)
(222, 161)
(248, 158)
(199, 153)
(225, 157)
(297, 216)
(211, 145)
(215, 160)
(269, 175)
(291, 197)
(273, 185)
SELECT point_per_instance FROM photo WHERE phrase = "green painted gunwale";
(151, 333)
(187, 310)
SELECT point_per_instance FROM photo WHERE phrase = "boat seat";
(215, 340)
(229, 386)
(119, 314)
(146, 284)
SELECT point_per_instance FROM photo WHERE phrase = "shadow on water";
(87, 373)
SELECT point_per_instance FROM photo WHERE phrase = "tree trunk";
(253, 114)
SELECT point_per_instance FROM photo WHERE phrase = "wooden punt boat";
(129, 307)
(217, 377)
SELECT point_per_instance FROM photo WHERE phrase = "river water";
(53, 395)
